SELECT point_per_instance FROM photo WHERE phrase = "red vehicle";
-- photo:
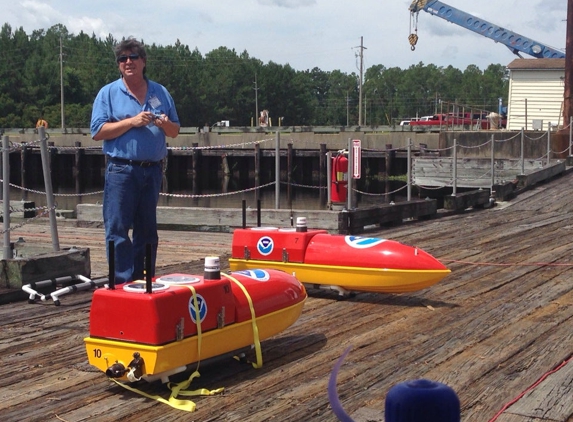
(431, 121)
(481, 120)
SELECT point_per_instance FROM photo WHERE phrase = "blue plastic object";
(422, 400)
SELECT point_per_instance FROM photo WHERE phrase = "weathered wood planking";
(222, 219)
(490, 330)
(358, 220)
(544, 402)
(473, 172)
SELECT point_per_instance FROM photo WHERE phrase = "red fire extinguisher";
(339, 182)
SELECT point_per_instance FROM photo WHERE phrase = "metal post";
(48, 185)
(455, 169)
(548, 142)
(500, 112)
(492, 162)
(62, 108)
(522, 156)
(526, 114)
(350, 179)
(278, 171)
(6, 195)
(328, 179)
(570, 134)
(409, 171)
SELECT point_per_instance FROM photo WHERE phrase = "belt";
(135, 163)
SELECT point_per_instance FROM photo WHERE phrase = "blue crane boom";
(515, 42)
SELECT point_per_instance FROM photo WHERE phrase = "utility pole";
(362, 48)
(62, 86)
(366, 109)
(568, 89)
(347, 109)
(256, 101)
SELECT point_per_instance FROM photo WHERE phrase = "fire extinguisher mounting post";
(350, 195)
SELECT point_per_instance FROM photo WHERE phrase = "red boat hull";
(350, 262)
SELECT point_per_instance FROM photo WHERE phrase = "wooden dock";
(497, 330)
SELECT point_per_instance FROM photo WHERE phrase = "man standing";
(132, 116)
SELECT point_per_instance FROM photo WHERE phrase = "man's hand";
(171, 129)
(143, 119)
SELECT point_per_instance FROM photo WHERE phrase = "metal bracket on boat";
(164, 376)
(285, 255)
(342, 292)
(180, 330)
(221, 318)
(247, 253)
(135, 368)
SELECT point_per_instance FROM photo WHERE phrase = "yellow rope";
(180, 389)
(256, 340)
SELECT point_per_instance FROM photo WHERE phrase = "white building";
(536, 88)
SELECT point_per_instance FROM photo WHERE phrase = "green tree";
(225, 85)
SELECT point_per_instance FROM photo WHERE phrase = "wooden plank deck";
(496, 330)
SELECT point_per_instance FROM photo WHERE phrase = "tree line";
(225, 85)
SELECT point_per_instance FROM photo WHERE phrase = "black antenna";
(111, 263)
(148, 286)
(258, 213)
(244, 214)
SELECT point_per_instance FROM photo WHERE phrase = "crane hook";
(413, 38)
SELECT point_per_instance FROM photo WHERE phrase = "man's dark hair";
(129, 44)
(132, 45)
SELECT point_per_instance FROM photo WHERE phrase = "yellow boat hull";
(364, 279)
(102, 353)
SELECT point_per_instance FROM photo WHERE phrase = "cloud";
(37, 8)
(88, 26)
(553, 16)
(41, 15)
(289, 4)
(36, 14)
(304, 33)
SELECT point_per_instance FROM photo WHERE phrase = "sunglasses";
(123, 58)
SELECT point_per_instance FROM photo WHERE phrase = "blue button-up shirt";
(115, 103)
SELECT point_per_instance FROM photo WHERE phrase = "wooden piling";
(79, 177)
(322, 173)
(389, 158)
(257, 170)
(195, 161)
(290, 161)
(24, 158)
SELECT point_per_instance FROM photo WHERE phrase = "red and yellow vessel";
(152, 330)
(342, 263)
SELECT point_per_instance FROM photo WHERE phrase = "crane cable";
(413, 37)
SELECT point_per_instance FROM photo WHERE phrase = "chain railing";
(442, 153)
(50, 210)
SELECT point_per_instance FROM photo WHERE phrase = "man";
(132, 116)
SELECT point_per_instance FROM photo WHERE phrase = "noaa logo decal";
(265, 245)
(363, 242)
(201, 304)
(259, 275)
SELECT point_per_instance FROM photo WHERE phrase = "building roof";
(537, 64)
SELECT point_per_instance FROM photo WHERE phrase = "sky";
(305, 34)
